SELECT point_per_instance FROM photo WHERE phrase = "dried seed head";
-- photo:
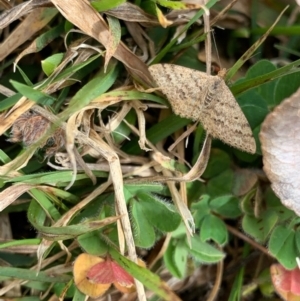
(198, 96)
(30, 126)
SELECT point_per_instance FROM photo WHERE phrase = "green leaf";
(37, 217)
(221, 184)
(57, 179)
(21, 242)
(144, 234)
(237, 286)
(78, 296)
(45, 38)
(266, 91)
(123, 130)
(205, 253)
(240, 62)
(92, 243)
(227, 206)
(159, 213)
(254, 107)
(181, 254)
(61, 288)
(149, 279)
(213, 228)
(104, 5)
(282, 245)
(260, 228)
(196, 17)
(45, 203)
(94, 88)
(9, 101)
(51, 63)
(274, 203)
(131, 190)
(297, 239)
(27, 274)
(76, 71)
(200, 209)
(218, 162)
(264, 78)
(171, 4)
(32, 94)
(247, 204)
(286, 86)
(169, 259)
(25, 77)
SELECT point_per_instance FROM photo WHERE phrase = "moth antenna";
(216, 47)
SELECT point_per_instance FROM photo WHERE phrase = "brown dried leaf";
(33, 23)
(10, 194)
(132, 13)
(85, 17)
(141, 38)
(280, 140)
(16, 12)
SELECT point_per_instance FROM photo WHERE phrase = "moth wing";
(198, 96)
(182, 86)
(225, 120)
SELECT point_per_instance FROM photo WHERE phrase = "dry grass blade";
(18, 11)
(251, 50)
(32, 24)
(10, 194)
(117, 179)
(132, 13)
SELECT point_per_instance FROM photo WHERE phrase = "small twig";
(248, 240)
(214, 292)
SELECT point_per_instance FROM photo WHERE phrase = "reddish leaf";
(109, 271)
(286, 283)
(82, 266)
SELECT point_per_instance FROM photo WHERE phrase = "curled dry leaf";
(280, 141)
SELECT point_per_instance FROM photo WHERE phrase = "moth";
(201, 97)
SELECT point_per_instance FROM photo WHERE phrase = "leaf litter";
(75, 132)
(279, 141)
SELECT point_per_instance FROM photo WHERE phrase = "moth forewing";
(198, 96)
